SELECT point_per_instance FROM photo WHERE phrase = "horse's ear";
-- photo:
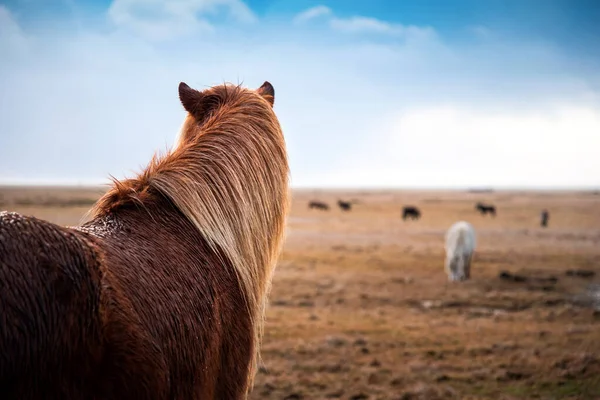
(267, 92)
(190, 98)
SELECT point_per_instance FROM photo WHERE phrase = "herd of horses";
(460, 244)
(459, 239)
(343, 205)
(161, 294)
(412, 212)
(407, 212)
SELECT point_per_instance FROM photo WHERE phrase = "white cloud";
(8, 25)
(312, 13)
(159, 20)
(363, 25)
(12, 37)
(359, 25)
(449, 146)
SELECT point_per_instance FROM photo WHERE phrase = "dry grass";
(361, 308)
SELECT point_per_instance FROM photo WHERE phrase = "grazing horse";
(485, 209)
(345, 205)
(545, 216)
(162, 293)
(410, 211)
(460, 245)
(319, 205)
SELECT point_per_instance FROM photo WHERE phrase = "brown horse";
(319, 205)
(161, 295)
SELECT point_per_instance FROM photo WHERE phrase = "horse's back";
(460, 244)
(126, 314)
(461, 235)
(49, 291)
(182, 303)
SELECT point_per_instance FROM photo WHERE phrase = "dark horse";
(319, 205)
(412, 212)
(161, 294)
(486, 209)
(544, 217)
(345, 205)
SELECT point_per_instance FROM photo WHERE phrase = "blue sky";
(422, 93)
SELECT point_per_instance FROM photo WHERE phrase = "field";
(361, 307)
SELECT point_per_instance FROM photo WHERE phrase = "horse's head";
(203, 106)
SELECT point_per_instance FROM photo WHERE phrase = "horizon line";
(469, 188)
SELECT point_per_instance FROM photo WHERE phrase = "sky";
(370, 94)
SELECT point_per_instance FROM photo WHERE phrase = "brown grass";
(361, 308)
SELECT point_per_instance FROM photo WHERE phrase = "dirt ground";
(361, 307)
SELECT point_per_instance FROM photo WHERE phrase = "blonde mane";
(228, 174)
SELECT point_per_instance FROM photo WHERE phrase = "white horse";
(460, 244)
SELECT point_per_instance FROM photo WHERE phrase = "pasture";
(361, 307)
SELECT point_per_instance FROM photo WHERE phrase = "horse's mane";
(228, 175)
